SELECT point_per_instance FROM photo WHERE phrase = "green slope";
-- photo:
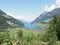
(7, 21)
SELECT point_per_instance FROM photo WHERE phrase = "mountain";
(8, 21)
(46, 16)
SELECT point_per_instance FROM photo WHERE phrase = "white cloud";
(46, 8)
(10, 14)
(53, 6)
(16, 16)
(26, 18)
(57, 3)
(49, 8)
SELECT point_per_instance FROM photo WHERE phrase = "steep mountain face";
(8, 21)
(47, 15)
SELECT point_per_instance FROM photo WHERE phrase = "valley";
(29, 22)
(38, 32)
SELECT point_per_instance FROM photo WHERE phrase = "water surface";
(31, 26)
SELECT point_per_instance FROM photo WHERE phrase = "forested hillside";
(7, 21)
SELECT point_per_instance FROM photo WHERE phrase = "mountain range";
(8, 21)
(46, 16)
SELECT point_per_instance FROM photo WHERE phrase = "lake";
(31, 26)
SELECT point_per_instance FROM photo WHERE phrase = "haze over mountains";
(44, 18)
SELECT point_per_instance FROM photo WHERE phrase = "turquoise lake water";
(31, 26)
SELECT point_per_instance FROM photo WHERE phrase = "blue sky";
(25, 9)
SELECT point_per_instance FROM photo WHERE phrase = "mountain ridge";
(47, 15)
(8, 21)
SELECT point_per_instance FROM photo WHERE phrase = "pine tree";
(52, 33)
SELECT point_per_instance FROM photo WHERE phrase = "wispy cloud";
(53, 6)
(49, 8)
(21, 17)
(57, 3)
(16, 16)
(27, 17)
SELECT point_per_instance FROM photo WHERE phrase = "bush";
(20, 34)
